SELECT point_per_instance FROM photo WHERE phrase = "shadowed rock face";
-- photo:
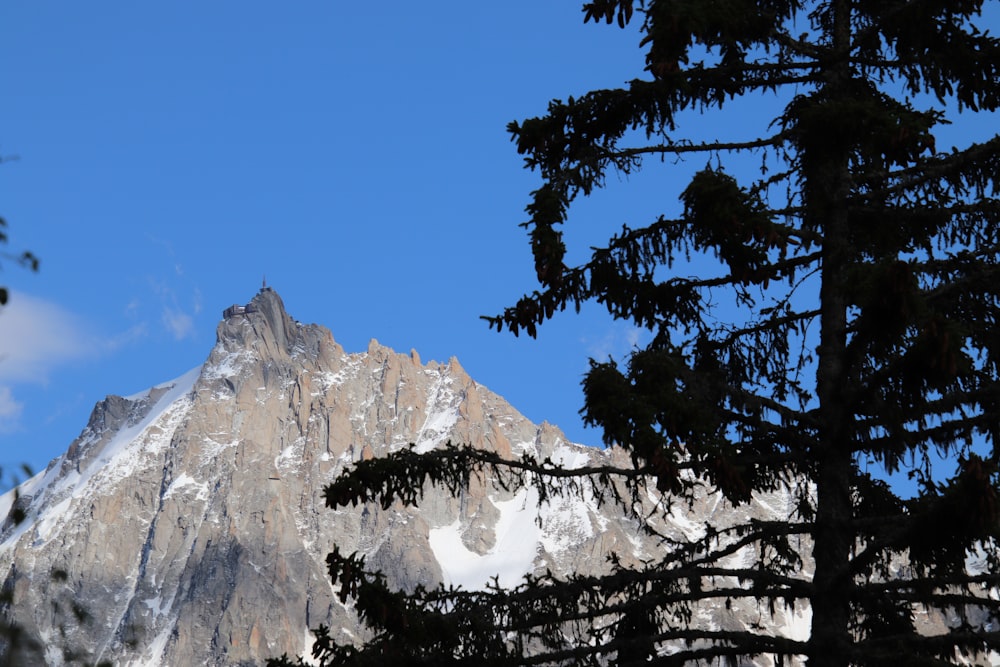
(189, 520)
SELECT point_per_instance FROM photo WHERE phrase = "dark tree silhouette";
(25, 259)
(844, 325)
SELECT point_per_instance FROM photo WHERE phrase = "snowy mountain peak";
(189, 518)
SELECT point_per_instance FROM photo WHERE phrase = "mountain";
(188, 523)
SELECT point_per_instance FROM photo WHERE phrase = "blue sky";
(171, 155)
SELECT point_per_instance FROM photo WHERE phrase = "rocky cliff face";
(189, 522)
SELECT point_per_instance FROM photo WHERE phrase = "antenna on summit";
(263, 282)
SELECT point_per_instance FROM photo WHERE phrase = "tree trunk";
(830, 639)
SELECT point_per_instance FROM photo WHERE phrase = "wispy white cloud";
(176, 318)
(130, 335)
(633, 336)
(10, 410)
(37, 336)
(616, 342)
(132, 309)
(178, 323)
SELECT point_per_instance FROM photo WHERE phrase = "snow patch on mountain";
(513, 555)
(53, 517)
(441, 414)
(120, 455)
(187, 485)
(570, 456)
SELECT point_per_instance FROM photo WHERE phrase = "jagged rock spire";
(263, 319)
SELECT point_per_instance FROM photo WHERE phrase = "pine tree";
(845, 327)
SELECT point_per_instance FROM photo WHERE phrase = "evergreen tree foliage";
(25, 259)
(844, 324)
